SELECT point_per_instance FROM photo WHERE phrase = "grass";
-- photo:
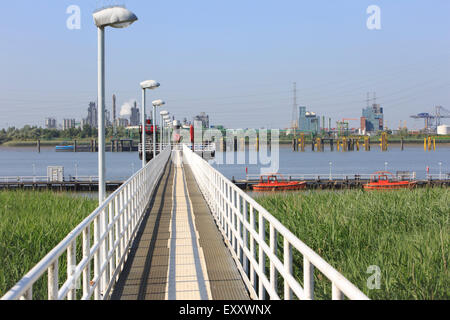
(405, 233)
(31, 224)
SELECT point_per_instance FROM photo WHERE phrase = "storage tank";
(443, 130)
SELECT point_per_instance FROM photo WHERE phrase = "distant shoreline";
(54, 143)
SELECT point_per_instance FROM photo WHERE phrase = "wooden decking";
(178, 253)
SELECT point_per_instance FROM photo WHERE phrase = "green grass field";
(405, 233)
(31, 224)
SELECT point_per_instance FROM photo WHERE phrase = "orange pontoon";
(271, 183)
(383, 180)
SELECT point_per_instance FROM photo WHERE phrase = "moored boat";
(64, 148)
(272, 183)
(383, 180)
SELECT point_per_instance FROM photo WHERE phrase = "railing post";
(104, 246)
(97, 261)
(53, 281)
(121, 225)
(86, 252)
(262, 256)
(308, 278)
(273, 247)
(252, 247)
(245, 236)
(111, 263)
(233, 220)
(71, 265)
(336, 293)
(287, 259)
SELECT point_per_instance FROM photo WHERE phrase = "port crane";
(439, 114)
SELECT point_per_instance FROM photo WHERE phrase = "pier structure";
(179, 229)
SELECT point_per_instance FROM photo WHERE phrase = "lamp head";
(115, 16)
(158, 103)
(164, 113)
(149, 84)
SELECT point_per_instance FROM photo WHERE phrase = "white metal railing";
(244, 224)
(198, 147)
(114, 225)
(47, 179)
(334, 176)
(149, 147)
(204, 147)
(438, 176)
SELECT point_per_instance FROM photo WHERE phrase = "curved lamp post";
(168, 122)
(156, 103)
(148, 84)
(166, 119)
(115, 17)
(162, 114)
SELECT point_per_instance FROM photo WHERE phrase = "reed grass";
(405, 233)
(31, 224)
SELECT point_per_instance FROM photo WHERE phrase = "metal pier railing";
(113, 225)
(250, 232)
(243, 223)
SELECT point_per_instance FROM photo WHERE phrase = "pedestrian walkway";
(178, 253)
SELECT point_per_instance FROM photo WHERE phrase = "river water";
(16, 161)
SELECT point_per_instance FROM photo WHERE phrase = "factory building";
(135, 116)
(372, 119)
(92, 117)
(308, 121)
(121, 122)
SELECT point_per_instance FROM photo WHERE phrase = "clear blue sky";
(235, 60)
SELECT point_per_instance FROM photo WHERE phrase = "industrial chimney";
(114, 110)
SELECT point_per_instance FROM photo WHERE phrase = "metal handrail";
(438, 176)
(44, 179)
(115, 223)
(243, 223)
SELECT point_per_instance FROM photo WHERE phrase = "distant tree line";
(28, 133)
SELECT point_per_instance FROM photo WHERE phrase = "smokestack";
(114, 109)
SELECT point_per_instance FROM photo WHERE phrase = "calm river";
(27, 162)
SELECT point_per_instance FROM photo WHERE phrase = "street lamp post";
(385, 166)
(440, 170)
(115, 17)
(149, 84)
(156, 103)
(168, 131)
(162, 114)
(166, 121)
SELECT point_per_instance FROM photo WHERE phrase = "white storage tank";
(443, 130)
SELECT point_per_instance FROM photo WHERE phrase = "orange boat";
(271, 183)
(383, 180)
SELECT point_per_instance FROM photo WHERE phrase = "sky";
(235, 60)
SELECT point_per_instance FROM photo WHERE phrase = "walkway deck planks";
(178, 252)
